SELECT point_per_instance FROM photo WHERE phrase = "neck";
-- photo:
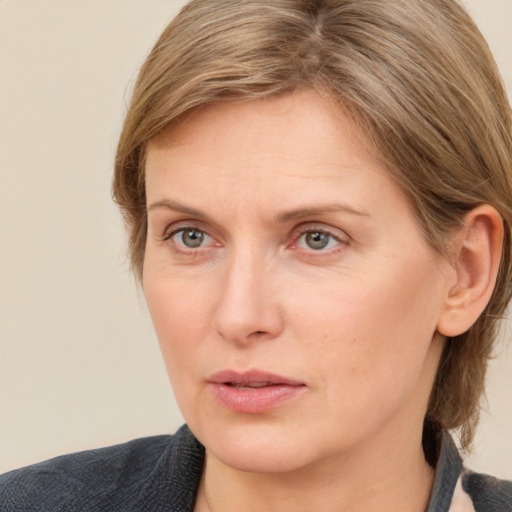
(372, 478)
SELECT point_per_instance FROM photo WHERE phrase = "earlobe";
(477, 249)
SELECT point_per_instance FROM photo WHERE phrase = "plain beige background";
(79, 363)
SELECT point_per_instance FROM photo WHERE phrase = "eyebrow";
(280, 217)
(300, 213)
(175, 206)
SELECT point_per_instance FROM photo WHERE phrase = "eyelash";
(299, 233)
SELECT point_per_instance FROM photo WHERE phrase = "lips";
(253, 391)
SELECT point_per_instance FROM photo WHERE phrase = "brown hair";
(416, 75)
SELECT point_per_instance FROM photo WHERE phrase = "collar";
(448, 470)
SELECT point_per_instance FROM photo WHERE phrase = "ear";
(477, 249)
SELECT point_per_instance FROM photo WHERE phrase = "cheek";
(375, 328)
(180, 318)
(374, 306)
(180, 311)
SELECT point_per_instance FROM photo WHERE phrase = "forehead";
(303, 126)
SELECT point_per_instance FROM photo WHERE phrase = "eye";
(317, 240)
(189, 238)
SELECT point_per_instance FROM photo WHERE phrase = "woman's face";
(291, 289)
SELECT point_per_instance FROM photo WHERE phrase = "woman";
(318, 197)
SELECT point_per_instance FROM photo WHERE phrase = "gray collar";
(448, 470)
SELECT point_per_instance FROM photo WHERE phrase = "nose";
(248, 308)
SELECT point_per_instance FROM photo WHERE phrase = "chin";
(256, 460)
(260, 448)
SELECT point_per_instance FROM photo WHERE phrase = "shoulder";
(130, 476)
(487, 493)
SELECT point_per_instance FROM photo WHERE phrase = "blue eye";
(317, 240)
(191, 238)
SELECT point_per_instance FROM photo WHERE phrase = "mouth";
(249, 385)
(252, 379)
(253, 391)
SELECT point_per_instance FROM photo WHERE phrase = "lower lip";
(255, 400)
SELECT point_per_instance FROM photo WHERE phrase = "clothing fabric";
(162, 474)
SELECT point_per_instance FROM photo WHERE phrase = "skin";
(355, 322)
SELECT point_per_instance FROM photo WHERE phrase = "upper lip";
(251, 377)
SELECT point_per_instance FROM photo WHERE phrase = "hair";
(418, 78)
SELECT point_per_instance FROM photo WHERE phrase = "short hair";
(418, 78)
